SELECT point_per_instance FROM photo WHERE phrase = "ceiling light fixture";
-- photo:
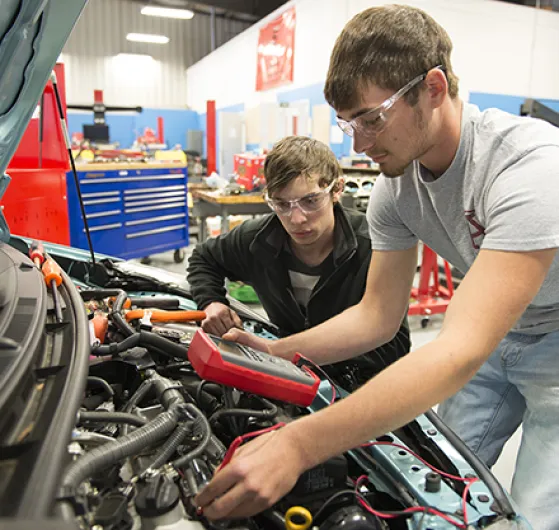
(167, 12)
(135, 56)
(144, 37)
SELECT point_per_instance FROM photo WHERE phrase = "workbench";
(210, 204)
(133, 209)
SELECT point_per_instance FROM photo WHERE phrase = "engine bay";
(113, 428)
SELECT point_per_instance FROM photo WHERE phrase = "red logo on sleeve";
(477, 231)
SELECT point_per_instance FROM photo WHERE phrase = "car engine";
(113, 428)
(150, 433)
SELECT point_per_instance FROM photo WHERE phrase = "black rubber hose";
(108, 454)
(203, 398)
(269, 413)
(477, 465)
(99, 381)
(117, 347)
(136, 398)
(141, 393)
(230, 404)
(145, 339)
(205, 386)
(65, 511)
(168, 391)
(112, 417)
(244, 413)
(116, 315)
(201, 427)
(170, 446)
(161, 343)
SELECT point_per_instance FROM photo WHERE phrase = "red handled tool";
(37, 253)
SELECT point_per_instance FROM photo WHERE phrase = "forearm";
(358, 329)
(378, 408)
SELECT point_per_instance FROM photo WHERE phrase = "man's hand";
(220, 319)
(260, 473)
(250, 340)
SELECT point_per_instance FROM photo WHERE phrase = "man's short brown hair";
(299, 155)
(386, 46)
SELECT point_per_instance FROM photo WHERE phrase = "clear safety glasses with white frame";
(308, 204)
(372, 122)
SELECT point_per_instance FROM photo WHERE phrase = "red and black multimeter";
(232, 364)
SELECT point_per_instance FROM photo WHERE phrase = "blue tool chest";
(133, 210)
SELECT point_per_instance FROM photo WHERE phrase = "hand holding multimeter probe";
(236, 365)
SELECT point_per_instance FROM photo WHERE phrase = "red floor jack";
(427, 300)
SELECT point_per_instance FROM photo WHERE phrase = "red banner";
(276, 52)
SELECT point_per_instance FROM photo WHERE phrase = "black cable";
(143, 338)
(201, 426)
(230, 404)
(477, 465)
(116, 315)
(106, 455)
(403, 513)
(140, 393)
(99, 381)
(268, 413)
(111, 417)
(170, 446)
(330, 500)
(200, 389)
(41, 128)
(243, 413)
(73, 164)
(175, 366)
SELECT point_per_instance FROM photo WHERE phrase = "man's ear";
(338, 189)
(437, 87)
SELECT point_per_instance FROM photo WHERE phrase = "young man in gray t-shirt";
(478, 188)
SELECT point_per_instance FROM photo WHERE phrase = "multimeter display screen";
(228, 346)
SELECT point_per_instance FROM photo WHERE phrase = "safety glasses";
(373, 121)
(308, 204)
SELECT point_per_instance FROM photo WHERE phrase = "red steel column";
(211, 136)
(160, 129)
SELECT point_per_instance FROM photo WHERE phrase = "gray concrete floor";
(504, 467)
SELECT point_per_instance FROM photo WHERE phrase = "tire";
(179, 255)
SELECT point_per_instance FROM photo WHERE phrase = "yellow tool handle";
(300, 513)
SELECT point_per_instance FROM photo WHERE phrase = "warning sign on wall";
(276, 51)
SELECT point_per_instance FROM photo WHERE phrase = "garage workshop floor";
(504, 467)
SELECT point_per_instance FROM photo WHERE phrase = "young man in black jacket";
(307, 261)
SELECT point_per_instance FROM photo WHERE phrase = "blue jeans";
(519, 383)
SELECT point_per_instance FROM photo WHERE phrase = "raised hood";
(32, 35)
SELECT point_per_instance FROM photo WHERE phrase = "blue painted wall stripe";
(124, 127)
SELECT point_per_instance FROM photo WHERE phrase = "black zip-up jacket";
(251, 253)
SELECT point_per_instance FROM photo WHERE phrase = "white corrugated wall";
(100, 35)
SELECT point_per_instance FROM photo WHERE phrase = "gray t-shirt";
(501, 192)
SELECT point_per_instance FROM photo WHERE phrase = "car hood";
(32, 35)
